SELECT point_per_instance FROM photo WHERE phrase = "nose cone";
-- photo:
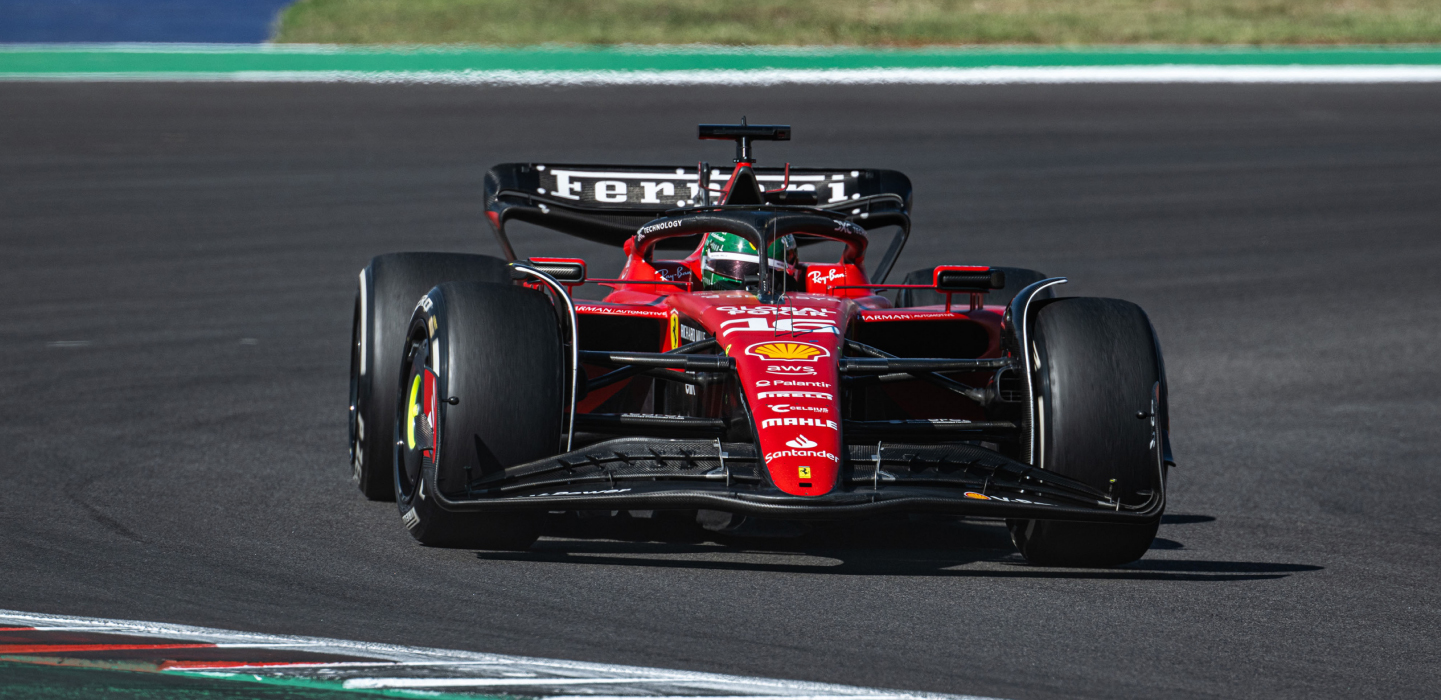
(792, 387)
(786, 358)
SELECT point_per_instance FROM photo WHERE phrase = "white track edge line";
(995, 75)
(797, 688)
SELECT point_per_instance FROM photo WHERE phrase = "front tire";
(481, 391)
(389, 288)
(1099, 410)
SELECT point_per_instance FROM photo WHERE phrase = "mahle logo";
(789, 352)
(812, 422)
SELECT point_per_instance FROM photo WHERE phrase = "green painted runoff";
(40, 60)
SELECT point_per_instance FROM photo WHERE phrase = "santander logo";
(802, 446)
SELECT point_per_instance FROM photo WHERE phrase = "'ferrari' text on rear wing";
(608, 203)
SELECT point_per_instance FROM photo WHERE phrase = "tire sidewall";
(388, 289)
(359, 398)
(1139, 467)
(1105, 349)
(460, 372)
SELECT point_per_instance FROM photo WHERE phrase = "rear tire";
(495, 351)
(389, 288)
(1099, 369)
(1017, 278)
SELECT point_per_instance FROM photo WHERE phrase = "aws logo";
(794, 370)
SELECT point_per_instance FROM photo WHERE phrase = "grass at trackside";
(861, 22)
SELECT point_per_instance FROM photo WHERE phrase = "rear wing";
(608, 203)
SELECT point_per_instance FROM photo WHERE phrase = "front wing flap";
(649, 473)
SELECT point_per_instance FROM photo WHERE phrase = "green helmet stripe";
(728, 247)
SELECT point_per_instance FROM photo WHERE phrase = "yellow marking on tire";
(413, 413)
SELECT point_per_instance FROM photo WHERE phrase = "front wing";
(637, 473)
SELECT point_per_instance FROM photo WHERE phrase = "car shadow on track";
(901, 546)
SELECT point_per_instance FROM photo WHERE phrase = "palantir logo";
(801, 443)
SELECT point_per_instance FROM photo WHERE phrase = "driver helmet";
(726, 260)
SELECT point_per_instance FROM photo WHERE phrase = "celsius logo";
(787, 408)
(801, 443)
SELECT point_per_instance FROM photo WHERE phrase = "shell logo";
(790, 352)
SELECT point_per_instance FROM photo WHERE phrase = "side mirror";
(967, 278)
(568, 271)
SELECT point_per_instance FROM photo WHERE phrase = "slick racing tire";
(1099, 411)
(389, 288)
(480, 390)
(1017, 278)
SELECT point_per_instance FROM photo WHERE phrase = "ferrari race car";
(741, 385)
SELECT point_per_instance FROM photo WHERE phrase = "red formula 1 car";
(741, 384)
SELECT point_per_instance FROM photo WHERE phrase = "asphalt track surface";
(177, 268)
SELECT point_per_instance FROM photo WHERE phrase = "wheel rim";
(416, 438)
(357, 455)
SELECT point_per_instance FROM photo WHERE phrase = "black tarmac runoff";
(178, 265)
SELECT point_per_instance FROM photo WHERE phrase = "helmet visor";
(738, 266)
